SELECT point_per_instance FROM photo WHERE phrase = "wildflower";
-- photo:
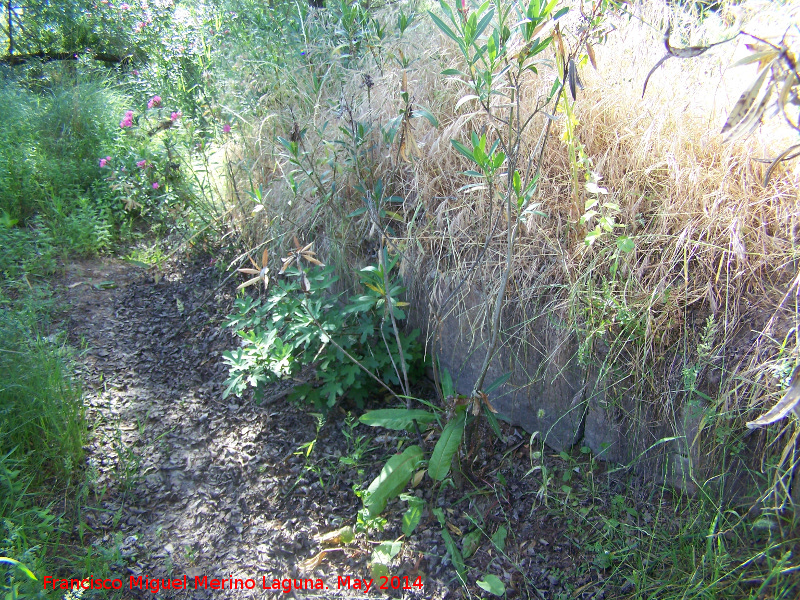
(124, 6)
(155, 102)
(155, 185)
(103, 162)
(141, 164)
(127, 120)
(226, 128)
(135, 72)
(176, 115)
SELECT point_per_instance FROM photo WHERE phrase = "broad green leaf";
(396, 418)
(549, 8)
(492, 584)
(470, 543)
(385, 552)
(499, 538)
(392, 480)
(554, 89)
(480, 155)
(447, 383)
(625, 244)
(592, 236)
(446, 447)
(356, 212)
(413, 515)
(378, 570)
(498, 160)
(560, 13)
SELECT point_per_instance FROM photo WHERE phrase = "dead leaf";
(590, 52)
(312, 563)
(343, 535)
(572, 76)
(417, 479)
(745, 101)
(789, 403)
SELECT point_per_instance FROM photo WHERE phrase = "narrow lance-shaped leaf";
(462, 149)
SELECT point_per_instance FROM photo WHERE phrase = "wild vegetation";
(367, 171)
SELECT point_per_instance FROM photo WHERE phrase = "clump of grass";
(41, 413)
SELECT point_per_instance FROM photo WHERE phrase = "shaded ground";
(187, 483)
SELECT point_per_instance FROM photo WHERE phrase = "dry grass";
(710, 239)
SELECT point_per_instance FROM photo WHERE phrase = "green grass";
(42, 433)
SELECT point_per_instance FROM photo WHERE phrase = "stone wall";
(550, 392)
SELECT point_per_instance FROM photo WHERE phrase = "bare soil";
(186, 483)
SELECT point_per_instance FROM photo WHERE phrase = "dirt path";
(196, 486)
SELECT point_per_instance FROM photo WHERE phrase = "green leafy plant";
(302, 323)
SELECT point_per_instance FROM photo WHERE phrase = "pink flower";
(103, 162)
(127, 120)
(141, 164)
(135, 72)
(155, 102)
(124, 6)
(226, 128)
(155, 185)
(176, 115)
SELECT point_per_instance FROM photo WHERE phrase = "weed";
(303, 323)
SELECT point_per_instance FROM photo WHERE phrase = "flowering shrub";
(127, 120)
(148, 159)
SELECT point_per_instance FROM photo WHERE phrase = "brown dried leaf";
(561, 54)
(745, 103)
(753, 117)
(343, 535)
(417, 479)
(455, 530)
(305, 284)
(789, 403)
(590, 52)
(249, 282)
(312, 563)
(572, 77)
